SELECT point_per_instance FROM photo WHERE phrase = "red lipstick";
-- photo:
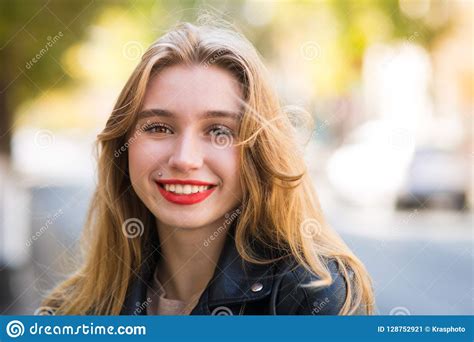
(185, 199)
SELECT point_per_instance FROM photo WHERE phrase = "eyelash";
(222, 128)
(149, 128)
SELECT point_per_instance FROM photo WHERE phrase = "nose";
(186, 154)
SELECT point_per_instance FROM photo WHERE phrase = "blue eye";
(157, 128)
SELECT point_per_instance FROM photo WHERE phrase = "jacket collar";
(234, 281)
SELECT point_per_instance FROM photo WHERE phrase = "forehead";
(187, 90)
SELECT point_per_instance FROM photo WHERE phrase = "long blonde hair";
(279, 206)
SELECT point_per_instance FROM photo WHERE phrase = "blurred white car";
(436, 178)
(369, 169)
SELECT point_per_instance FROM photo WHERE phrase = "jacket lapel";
(237, 281)
(234, 281)
(136, 300)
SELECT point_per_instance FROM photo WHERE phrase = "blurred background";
(389, 83)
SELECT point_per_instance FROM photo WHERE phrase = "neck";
(189, 258)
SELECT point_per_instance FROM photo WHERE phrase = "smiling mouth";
(180, 192)
(185, 189)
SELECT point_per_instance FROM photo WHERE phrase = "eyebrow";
(153, 112)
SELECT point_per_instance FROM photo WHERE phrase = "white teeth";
(185, 189)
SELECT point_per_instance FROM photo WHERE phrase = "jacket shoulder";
(296, 297)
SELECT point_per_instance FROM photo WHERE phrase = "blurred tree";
(33, 34)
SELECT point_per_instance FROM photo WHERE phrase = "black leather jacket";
(241, 288)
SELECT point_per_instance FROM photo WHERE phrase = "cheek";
(136, 164)
(141, 160)
(226, 163)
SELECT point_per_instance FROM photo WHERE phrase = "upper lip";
(183, 181)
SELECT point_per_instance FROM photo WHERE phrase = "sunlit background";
(389, 83)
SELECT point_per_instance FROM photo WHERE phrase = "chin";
(179, 221)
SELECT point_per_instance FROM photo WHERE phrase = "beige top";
(160, 305)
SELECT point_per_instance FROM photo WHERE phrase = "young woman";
(203, 204)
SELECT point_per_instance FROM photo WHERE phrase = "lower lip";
(185, 199)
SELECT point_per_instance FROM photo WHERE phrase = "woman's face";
(182, 160)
